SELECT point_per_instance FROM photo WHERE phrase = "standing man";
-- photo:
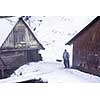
(66, 58)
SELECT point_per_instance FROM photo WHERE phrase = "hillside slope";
(54, 31)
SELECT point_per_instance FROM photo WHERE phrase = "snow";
(53, 32)
(51, 72)
(6, 25)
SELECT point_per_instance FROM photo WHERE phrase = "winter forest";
(42, 40)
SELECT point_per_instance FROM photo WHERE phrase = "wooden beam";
(2, 69)
(2, 72)
(6, 16)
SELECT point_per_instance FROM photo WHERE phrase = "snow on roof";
(6, 25)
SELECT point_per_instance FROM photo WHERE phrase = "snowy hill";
(54, 31)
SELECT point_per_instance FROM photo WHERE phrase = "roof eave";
(82, 31)
(69, 43)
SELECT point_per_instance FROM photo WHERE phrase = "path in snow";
(51, 72)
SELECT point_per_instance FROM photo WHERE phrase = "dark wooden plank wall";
(86, 49)
(14, 58)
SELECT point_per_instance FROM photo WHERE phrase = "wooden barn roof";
(5, 16)
(7, 25)
(83, 30)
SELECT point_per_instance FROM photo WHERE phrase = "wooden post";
(25, 56)
(2, 72)
(3, 67)
(3, 62)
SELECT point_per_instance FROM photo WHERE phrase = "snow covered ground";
(51, 72)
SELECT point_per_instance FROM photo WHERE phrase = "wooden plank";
(3, 62)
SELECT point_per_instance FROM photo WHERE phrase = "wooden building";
(86, 48)
(20, 46)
